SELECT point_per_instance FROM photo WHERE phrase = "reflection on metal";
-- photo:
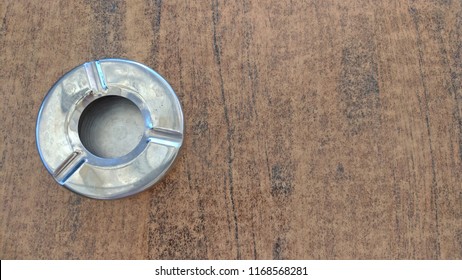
(109, 129)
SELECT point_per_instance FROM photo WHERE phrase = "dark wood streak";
(359, 77)
(456, 76)
(4, 26)
(108, 29)
(155, 23)
(281, 164)
(277, 249)
(313, 130)
(217, 53)
(425, 109)
(74, 215)
(397, 201)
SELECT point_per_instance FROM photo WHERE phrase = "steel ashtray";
(109, 129)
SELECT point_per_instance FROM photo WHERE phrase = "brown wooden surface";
(316, 129)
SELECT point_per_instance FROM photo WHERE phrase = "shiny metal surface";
(109, 129)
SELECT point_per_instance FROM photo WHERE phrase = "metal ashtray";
(109, 129)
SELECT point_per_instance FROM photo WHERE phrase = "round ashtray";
(109, 129)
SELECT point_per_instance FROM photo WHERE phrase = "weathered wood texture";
(315, 129)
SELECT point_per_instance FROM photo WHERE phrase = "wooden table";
(314, 130)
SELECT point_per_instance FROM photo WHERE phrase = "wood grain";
(314, 130)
